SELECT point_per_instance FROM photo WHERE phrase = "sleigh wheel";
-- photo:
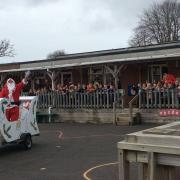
(27, 142)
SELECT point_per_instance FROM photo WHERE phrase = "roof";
(122, 55)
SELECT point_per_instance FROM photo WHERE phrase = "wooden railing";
(96, 100)
(168, 98)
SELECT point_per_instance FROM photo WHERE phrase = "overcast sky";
(38, 27)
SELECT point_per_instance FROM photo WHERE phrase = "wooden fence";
(80, 100)
(168, 98)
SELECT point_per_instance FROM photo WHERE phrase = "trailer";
(22, 130)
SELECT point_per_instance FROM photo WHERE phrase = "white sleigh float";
(22, 130)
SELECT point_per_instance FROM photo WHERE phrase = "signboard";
(169, 112)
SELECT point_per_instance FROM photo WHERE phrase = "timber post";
(114, 112)
(52, 75)
(123, 165)
(115, 71)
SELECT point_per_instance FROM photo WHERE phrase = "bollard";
(50, 113)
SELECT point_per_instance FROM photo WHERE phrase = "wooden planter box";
(157, 150)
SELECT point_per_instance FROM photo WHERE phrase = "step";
(126, 110)
(122, 115)
(122, 121)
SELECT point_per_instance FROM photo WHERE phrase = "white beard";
(11, 88)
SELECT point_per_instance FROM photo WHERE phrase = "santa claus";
(11, 91)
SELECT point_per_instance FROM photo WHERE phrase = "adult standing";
(12, 91)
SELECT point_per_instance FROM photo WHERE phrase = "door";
(66, 77)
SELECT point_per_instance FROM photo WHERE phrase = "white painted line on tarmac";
(58, 146)
(96, 167)
(95, 135)
(42, 169)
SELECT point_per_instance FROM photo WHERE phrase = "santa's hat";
(11, 84)
(10, 80)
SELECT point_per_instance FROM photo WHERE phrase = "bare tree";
(158, 24)
(6, 48)
(56, 54)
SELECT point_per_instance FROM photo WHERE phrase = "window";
(155, 72)
(96, 74)
(66, 77)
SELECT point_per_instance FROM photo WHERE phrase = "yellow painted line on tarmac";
(96, 167)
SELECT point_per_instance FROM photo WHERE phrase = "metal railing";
(131, 108)
(96, 100)
(167, 98)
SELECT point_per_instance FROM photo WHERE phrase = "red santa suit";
(169, 79)
(12, 91)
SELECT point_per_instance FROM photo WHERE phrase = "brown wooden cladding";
(9, 66)
(174, 68)
(130, 76)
